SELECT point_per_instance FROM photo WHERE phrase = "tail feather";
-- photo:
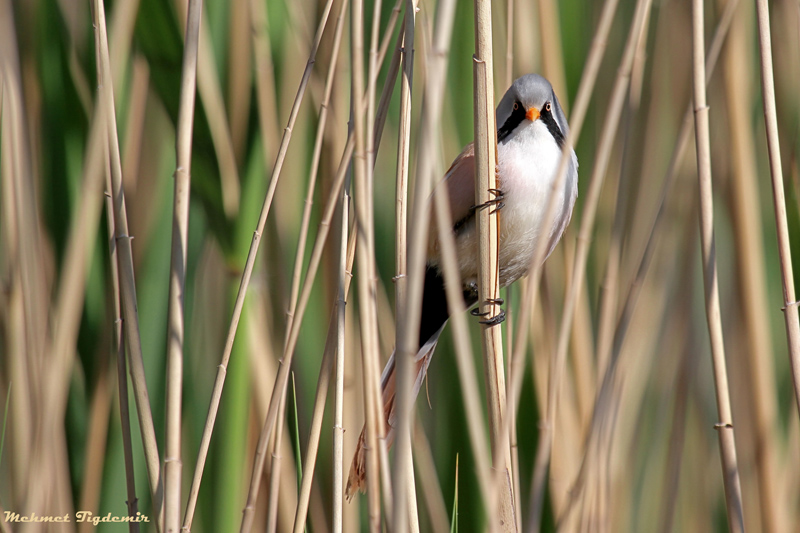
(357, 478)
(434, 317)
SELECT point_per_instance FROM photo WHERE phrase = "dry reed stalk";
(488, 270)
(644, 262)
(133, 136)
(464, 360)
(508, 77)
(126, 276)
(80, 243)
(362, 160)
(134, 129)
(426, 169)
(678, 422)
(402, 473)
(266, 98)
(240, 76)
(330, 352)
(346, 258)
(275, 468)
(370, 148)
(283, 373)
(264, 367)
(609, 292)
(28, 296)
(750, 269)
(730, 469)
(581, 105)
(322, 385)
(208, 86)
(132, 501)
(321, 394)
(607, 137)
(790, 302)
(97, 433)
(248, 270)
(429, 482)
(16, 372)
(646, 255)
(173, 465)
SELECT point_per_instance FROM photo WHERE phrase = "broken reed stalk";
(126, 275)
(730, 469)
(219, 380)
(790, 302)
(403, 473)
(178, 267)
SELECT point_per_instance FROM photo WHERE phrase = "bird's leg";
(496, 202)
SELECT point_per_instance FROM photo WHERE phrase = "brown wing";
(459, 185)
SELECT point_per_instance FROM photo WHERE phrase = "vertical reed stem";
(730, 469)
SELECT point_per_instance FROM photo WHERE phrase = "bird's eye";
(516, 106)
(547, 107)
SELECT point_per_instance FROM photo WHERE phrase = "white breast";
(527, 166)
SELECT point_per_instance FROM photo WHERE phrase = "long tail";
(434, 318)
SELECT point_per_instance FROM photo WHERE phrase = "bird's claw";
(497, 202)
(496, 320)
(499, 318)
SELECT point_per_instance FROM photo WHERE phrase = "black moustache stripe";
(514, 120)
(552, 127)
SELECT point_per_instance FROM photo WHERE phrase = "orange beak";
(532, 114)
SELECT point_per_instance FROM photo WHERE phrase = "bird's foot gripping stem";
(495, 320)
(496, 203)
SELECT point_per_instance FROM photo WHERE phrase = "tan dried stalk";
(610, 123)
(275, 467)
(322, 384)
(346, 258)
(366, 268)
(488, 271)
(126, 276)
(790, 302)
(403, 473)
(313, 444)
(29, 289)
(245, 281)
(751, 269)
(173, 466)
(730, 469)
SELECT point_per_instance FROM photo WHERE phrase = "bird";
(531, 133)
